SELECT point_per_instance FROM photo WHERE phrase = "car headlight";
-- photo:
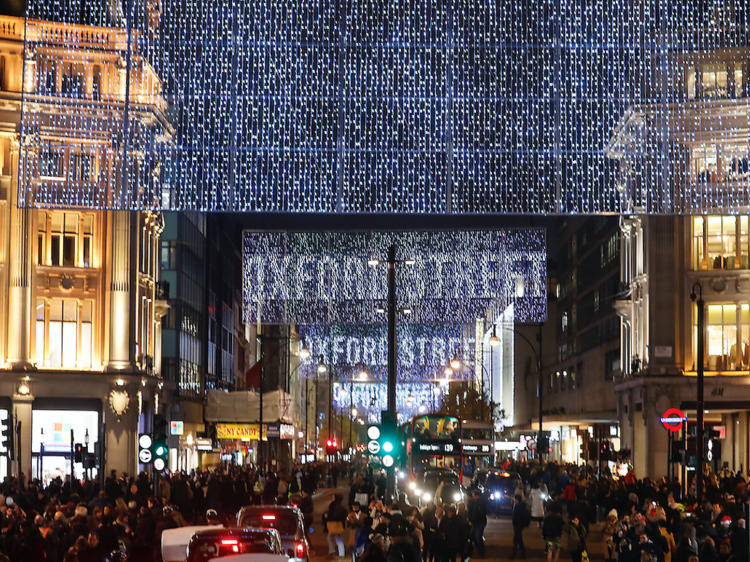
(427, 497)
(492, 496)
(413, 485)
(457, 497)
(418, 492)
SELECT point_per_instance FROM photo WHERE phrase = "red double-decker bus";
(433, 441)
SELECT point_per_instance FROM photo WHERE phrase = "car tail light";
(269, 518)
(300, 550)
(228, 541)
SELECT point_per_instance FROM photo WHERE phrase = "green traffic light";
(388, 446)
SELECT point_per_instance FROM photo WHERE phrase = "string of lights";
(356, 362)
(461, 106)
(324, 278)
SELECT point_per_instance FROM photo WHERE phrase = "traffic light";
(8, 432)
(145, 440)
(604, 451)
(384, 441)
(159, 446)
(332, 447)
(677, 452)
(78, 453)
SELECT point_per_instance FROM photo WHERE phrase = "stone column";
(119, 292)
(22, 410)
(122, 434)
(19, 286)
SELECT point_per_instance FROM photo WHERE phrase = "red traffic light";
(329, 443)
(334, 444)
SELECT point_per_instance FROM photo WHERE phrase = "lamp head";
(455, 363)
(494, 340)
(304, 353)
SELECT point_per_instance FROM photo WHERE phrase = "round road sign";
(373, 447)
(144, 455)
(672, 419)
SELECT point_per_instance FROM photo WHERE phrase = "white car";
(174, 542)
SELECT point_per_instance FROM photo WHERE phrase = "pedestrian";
(334, 520)
(536, 499)
(354, 521)
(521, 520)
(375, 551)
(363, 536)
(451, 532)
(609, 528)
(478, 521)
(552, 530)
(576, 539)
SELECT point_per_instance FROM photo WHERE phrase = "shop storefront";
(240, 443)
(53, 433)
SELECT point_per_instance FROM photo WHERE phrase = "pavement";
(498, 536)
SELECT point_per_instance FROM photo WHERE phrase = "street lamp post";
(700, 303)
(392, 262)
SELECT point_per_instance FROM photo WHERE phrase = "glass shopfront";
(52, 428)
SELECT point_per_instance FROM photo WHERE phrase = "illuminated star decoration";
(462, 106)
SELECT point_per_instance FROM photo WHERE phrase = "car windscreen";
(284, 523)
(432, 481)
(203, 550)
(502, 482)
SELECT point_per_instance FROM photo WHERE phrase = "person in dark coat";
(521, 520)
(452, 535)
(478, 521)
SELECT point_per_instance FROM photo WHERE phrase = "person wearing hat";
(609, 528)
(375, 550)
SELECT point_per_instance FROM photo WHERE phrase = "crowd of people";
(638, 520)
(635, 520)
(124, 517)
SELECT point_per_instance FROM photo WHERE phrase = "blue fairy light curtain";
(370, 106)
(324, 278)
(356, 363)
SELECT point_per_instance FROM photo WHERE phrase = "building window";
(715, 242)
(725, 352)
(40, 312)
(63, 333)
(81, 168)
(65, 239)
(50, 164)
(690, 83)
(58, 325)
(714, 81)
(739, 80)
(72, 79)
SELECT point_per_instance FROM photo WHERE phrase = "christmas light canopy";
(324, 278)
(462, 106)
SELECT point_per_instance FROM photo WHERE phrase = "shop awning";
(244, 406)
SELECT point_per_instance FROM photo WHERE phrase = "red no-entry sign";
(672, 419)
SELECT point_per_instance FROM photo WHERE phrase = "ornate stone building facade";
(80, 349)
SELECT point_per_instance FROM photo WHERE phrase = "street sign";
(672, 419)
(144, 456)
(373, 447)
